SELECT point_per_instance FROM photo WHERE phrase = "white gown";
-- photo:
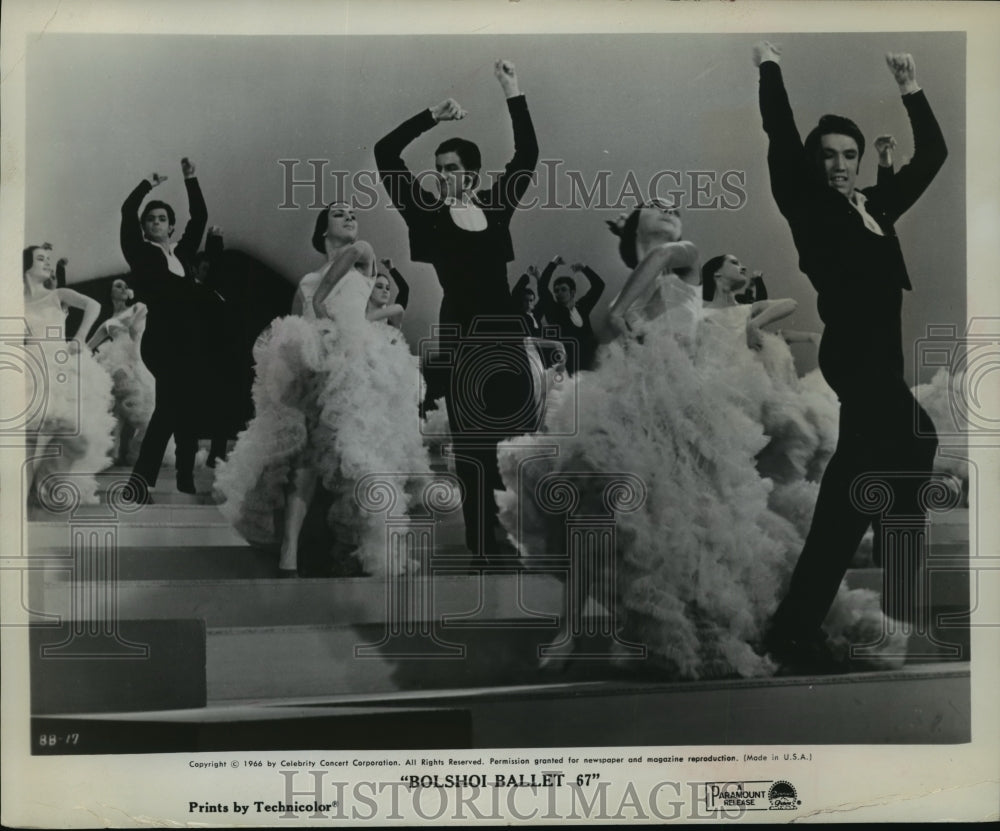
(69, 402)
(702, 565)
(340, 394)
(134, 385)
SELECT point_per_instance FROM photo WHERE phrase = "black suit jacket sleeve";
(586, 303)
(884, 174)
(899, 192)
(759, 289)
(405, 193)
(190, 241)
(403, 292)
(513, 182)
(214, 245)
(132, 241)
(792, 181)
(142, 258)
(546, 302)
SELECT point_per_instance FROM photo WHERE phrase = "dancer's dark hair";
(157, 203)
(708, 272)
(565, 281)
(467, 151)
(830, 125)
(626, 232)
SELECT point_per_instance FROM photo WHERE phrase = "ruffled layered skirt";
(343, 402)
(703, 550)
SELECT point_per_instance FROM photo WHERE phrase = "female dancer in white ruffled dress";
(336, 397)
(799, 415)
(700, 566)
(117, 341)
(69, 398)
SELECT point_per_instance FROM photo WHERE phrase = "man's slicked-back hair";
(153, 205)
(829, 125)
(468, 152)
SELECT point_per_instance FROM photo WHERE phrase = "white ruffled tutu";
(702, 565)
(69, 396)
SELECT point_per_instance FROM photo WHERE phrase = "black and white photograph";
(501, 412)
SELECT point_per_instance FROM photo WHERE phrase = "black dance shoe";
(802, 654)
(185, 483)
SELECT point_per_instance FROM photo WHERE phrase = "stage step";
(255, 728)
(268, 601)
(278, 662)
(929, 704)
(140, 665)
(152, 525)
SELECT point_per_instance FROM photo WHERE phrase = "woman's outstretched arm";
(668, 256)
(394, 313)
(768, 311)
(764, 312)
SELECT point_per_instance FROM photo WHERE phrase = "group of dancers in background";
(744, 463)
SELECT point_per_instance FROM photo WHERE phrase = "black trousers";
(489, 395)
(882, 431)
(174, 413)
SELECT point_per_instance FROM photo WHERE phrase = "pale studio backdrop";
(104, 111)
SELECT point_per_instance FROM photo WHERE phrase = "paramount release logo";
(783, 796)
(750, 795)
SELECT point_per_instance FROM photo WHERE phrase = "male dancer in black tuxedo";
(560, 307)
(465, 235)
(172, 345)
(849, 250)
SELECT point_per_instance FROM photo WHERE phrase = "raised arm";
(884, 145)
(403, 189)
(668, 256)
(522, 283)
(513, 182)
(131, 237)
(137, 322)
(358, 253)
(786, 162)
(586, 303)
(61, 272)
(214, 242)
(100, 336)
(195, 228)
(929, 150)
(546, 302)
(402, 287)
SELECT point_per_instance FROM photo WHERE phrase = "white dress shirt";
(858, 201)
(466, 214)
